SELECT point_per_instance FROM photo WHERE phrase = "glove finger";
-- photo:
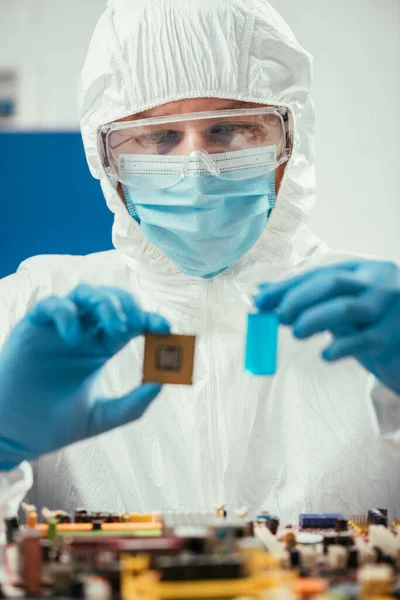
(100, 309)
(108, 414)
(124, 302)
(373, 341)
(156, 324)
(140, 321)
(316, 290)
(381, 272)
(136, 317)
(342, 315)
(272, 294)
(62, 313)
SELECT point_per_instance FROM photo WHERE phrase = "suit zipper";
(213, 434)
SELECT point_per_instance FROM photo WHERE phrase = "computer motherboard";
(155, 556)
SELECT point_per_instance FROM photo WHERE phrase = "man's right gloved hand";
(48, 368)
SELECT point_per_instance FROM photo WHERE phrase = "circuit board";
(203, 554)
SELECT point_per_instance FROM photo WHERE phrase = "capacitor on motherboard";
(31, 519)
(31, 561)
(375, 580)
(290, 540)
(52, 530)
(308, 557)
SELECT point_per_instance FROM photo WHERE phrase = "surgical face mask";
(205, 223)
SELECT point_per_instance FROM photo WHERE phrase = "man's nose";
(192, 141)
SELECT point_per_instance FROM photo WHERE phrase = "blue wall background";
(49, 202)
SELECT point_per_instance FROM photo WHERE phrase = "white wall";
(356, 44)
(356, 48)
(46, 40)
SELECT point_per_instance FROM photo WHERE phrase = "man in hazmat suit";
(196, 117)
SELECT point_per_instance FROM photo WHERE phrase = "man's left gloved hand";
(357, 301)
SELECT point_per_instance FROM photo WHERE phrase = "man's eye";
(162, 140)
(225, 131)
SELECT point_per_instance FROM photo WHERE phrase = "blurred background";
(50, 203)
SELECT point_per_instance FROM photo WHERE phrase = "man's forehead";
(190, 105)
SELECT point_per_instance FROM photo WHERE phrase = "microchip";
(168, 358)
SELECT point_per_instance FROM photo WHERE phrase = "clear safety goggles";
(231, 144)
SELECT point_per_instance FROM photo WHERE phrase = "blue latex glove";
(358, 302)
(48, 368)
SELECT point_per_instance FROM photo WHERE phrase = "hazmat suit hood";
(145, 53)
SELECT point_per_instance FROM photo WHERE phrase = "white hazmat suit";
(302, 441)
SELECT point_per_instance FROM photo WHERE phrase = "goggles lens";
(159, 152)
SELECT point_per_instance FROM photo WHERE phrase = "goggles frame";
(104, 131)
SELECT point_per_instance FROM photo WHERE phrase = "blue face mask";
(204, 223)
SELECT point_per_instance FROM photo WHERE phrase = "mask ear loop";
(130, 204)
(199, 156)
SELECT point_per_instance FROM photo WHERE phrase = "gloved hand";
(48, 369)
(358, 302)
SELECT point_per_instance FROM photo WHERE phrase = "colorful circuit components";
(201, 554)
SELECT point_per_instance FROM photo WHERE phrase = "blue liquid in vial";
(262, 343)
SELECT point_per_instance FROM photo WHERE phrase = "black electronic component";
(97, 524)
(63, 518)
(76, 589)
(344, 539)
(114, 518)
(352, 560)
(388, 560)
(231, 568)
(329, 540)
(12, 527)
(171, 568)
(341, 525)
(199, 567)
(195, 544)
(46, 547)
(273, 525)
(378, 516)
(379, 554)
(294, 558)
(80, 515)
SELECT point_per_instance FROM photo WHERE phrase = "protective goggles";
(231, 144)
